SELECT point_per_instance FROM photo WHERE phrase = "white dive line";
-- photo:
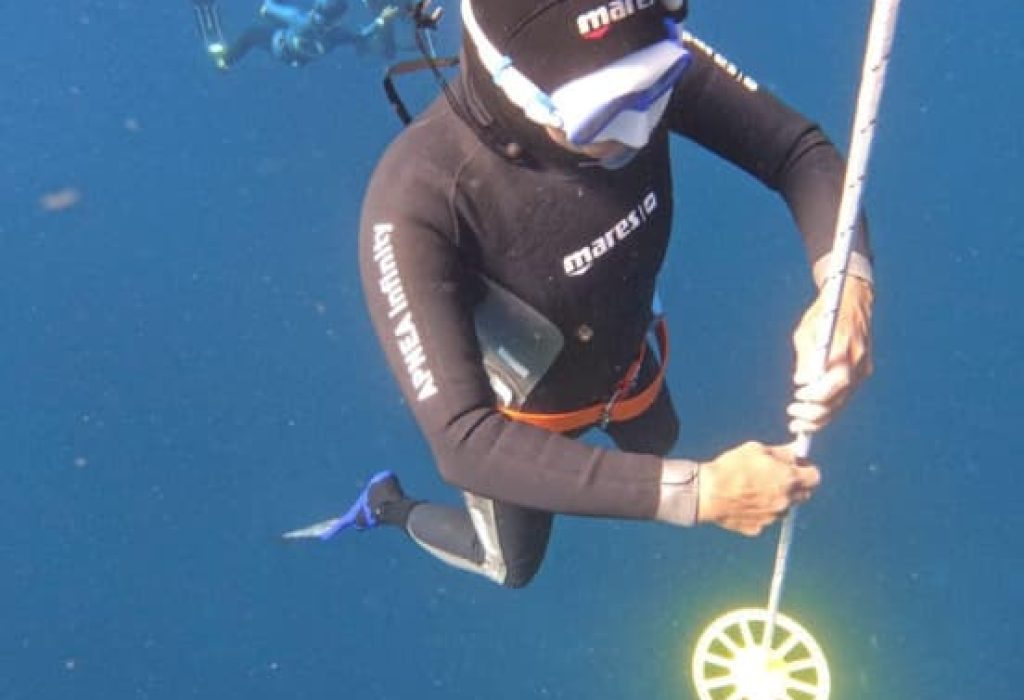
(872, 80)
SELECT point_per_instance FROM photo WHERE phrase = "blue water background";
(187, 370)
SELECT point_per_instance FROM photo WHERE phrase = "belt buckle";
(606, 412)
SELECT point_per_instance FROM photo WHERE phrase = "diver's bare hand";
(747, 488)
(819, 397)
(387, 14)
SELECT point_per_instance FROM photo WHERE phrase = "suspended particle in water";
(60, 200)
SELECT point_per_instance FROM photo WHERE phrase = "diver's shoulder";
(431, 149)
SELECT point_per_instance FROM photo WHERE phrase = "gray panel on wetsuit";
(518, 343)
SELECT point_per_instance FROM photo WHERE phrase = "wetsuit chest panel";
(583, 247)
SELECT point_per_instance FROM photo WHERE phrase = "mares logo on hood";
(596, 23)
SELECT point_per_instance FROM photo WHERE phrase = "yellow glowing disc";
(733, 661)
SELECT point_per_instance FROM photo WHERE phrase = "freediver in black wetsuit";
(536, 197)
(297, 36)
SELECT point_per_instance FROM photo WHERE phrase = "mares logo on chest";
(580, 261)
(407, 337)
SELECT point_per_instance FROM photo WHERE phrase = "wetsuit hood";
(555, 41)
(500, 124)
(552, 43)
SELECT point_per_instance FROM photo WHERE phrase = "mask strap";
(519, 89)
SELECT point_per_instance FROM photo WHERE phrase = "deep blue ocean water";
(187, 370)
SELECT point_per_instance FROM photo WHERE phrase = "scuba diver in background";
(297, 36)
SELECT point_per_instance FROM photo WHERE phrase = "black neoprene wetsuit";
(477, 190)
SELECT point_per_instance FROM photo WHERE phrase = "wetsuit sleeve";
(340, 34)
(720, 108)
(419, 287)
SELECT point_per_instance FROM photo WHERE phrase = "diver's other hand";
(745, 489)
(386, 15)
(818, 398)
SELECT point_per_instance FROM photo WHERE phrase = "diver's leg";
(500, 541)
(258, 35)
(656, 430)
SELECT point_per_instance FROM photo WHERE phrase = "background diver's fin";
(208, 21)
